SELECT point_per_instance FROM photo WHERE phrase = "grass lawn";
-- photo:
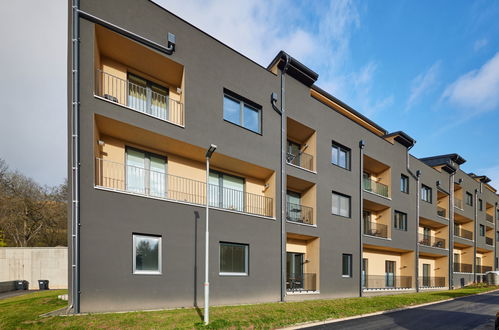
(23, 312)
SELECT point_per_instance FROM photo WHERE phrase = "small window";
(146, 254)
(400, 221)
(340, 156)
(480, 205)
(347, 265)
(497, 236)
(469, 199)
(242, 112)
(426, 193)
(341, 205)
(233, 259)
(482, 230)
(404, 183)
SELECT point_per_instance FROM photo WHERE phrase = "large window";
(346, 265)
(145, 173)
(242, 112)
(233, 259)
(400, 221)
(147, 97)
(341, 204)
(146, 254)
(426, 193)
(469, 199)
(404, 183)
(226, 191)
(340, 156)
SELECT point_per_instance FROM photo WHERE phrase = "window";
(146, 254)
(497, 236)
(469, 199)
(341, 205)
(346, 265)
(340, 156)
(242, 112)
(404, 183)
(482, 230)
(426, 193)
(233, 259)
(145, 173)
(480, 204)
(226, 191)
(145, 96)
(400, 221)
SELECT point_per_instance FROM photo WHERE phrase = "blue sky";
(429, 68)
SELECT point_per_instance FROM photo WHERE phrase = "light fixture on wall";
(101, 143)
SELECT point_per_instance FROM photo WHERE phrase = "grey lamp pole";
(209, 153)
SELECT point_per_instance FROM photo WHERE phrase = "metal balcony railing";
(458, 203)
(375, 229)
(463, 268)
(463, 233)
(301, 282)
(489, 241)
(387, 281)
(441, 212)
(139, 98)
(431, 241)
(301, 159)
(431, 281)
(299, 213)
(489, 218)
(483, 269)
(137, 180)
(375, 187)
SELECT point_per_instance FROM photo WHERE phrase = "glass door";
(390, 273)
(364, 272)
(426, 275)
(367, 181)
(294, 268)
(293, 204)
(366, 217)
(157, 176)
(294, 153)
(135, 171)
(426, 236)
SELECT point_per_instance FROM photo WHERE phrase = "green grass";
(24, 312)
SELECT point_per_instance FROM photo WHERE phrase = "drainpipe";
(361, 220)
(75, 161)
(495, 236)
(475, 236)
(283, 178)
(451, 231)
(415, 176)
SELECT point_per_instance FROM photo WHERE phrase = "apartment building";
(307, 197)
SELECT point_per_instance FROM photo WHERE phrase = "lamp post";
(209, 153)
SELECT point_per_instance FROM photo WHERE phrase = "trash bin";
(22, 285)
(43, 284)
(492, 278)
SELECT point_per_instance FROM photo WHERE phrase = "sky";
(429, 68)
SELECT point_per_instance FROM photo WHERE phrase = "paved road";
(474, 312)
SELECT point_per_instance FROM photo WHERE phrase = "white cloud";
(422, 84)
(479, 44)
(476, 91)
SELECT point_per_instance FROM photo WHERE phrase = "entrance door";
(426, 275)
(294, 268)
(364, 272)
(390, 273)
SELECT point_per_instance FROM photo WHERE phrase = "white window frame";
(246, 260)
(147, 272)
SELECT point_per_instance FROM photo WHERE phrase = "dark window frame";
(480, 204)
(400, 223)
(346, 150)
(468, 199)
(404, 187)
(349, 204)
(349, 259)
(482, 230)
(429, 193)
(242, 102)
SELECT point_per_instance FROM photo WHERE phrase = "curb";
(330, 321)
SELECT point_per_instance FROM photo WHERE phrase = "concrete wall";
(35, 263)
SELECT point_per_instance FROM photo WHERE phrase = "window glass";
(157, 176)
(400, 220)
(232, 110)
(251, 119)
(145, 173)
(341, 205)
(347, 265)
(404, 184)
(135, 171)
(147, 252)
(482, 230)
(238, 112)
(233, 258)
(340, 156)
(426, 193)
(226, 191)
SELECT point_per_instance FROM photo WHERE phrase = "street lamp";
(209, 153)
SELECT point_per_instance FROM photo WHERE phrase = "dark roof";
(481, 178)
(296, 69)
(450, 162)
(402, 138)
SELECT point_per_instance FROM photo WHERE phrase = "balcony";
(375, 187)
(375, 229)
(140, 181)
(458, 203)
(301, 145)
(489, 218)
(300, 159)
(431, 282)
(483, 269)
(299, 213)
(441, 212)
(463, 233)
(140, 96)
(463, 268)
(431, 241)
(489, 241)
(303, 282)
(387, 281)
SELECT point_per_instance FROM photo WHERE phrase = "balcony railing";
(375, 187)
(463, 268)
(301, 282)
(489, 218)
(431, 241)
(375, 229)
(139, 98)
(300, 213)
(463, 233)
(387, 281)
(137, 180)
(431, 282)
(489, 241)
(301, 159)
(441, 212)
(458, 203)
(483, 269)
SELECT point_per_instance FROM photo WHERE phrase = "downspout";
(361, 220)
(75, 161)
(416, 176)
(283, 178)
(475, 236)
(495, 237)
(451, 231)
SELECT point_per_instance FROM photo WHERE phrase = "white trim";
(433, 247)
(301, 224)
(373, 193)
(146, 272)
(383, 238)
(233, 274)
(297, 293)
(302, 168)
